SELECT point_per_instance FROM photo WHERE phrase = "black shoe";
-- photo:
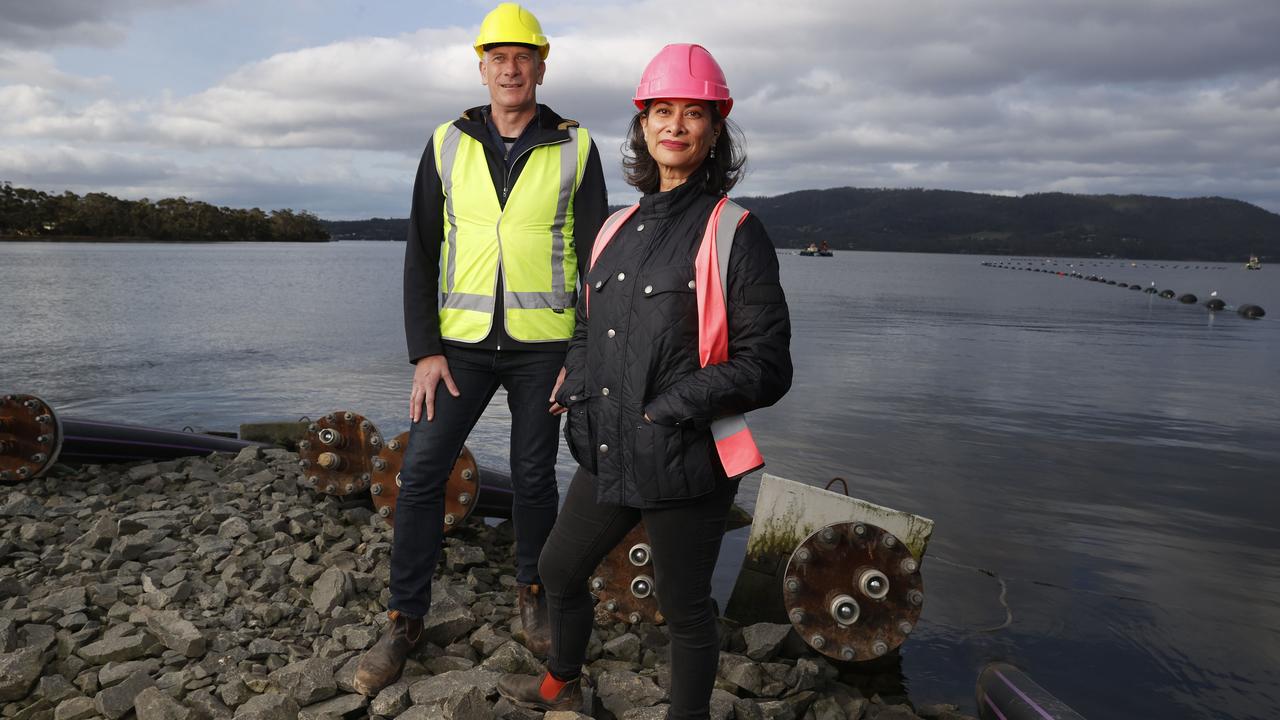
(526, 691)
(383, 663)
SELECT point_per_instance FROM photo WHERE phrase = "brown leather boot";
(533, 616)
(526, 691)
(383, 663)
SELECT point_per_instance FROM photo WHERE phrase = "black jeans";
(528, 377)
(685, 540)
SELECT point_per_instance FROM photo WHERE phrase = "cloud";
(48, 23)
(1088, 95)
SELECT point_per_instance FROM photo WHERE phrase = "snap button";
(622, 276)
(641, 227)
(692, 284)
(573, 398)
(603, 448)
(599, 284)
(611, 333)
(604, 391)
(648, 289)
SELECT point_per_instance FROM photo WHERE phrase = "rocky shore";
(218, 587)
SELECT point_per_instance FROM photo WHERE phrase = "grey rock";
(468, 705)
(447, 621)
(746, 676)
(303, 572)
(936, 710)
(268, 706)
(76, 708)
(461, 557)
(40, 637)
(565, 715)
(306, 681)
(331, 590)
(37, 532)
(116, 701)
(722, 704)
(764, 639)
(233, 527)
(21, 505)
(205, 706)
(624, 647)
(67, 600)
(154, 704)
(176, 633)
(804, 676)
(262, 647)
(448, 663)
(235, 693)
(345, 706)
(116, 649)
(19, 671)
(8, 635)
(620, 691)
(513, 657)
(744, 709)
(248, 455)
(890, 712)
(657, 712)
(393, 700)
(437, 689)
(114, 673)
(56, 688)
(486, 640)
(826, 708)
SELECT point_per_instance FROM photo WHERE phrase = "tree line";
(27, 213)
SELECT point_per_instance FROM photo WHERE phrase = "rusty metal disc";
(853, 591)
(336, 454)
(30, 438)
(623, 582)
(460, 493)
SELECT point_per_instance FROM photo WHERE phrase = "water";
(1110, 456)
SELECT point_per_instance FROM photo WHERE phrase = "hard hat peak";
(511, 24)
(684, 70)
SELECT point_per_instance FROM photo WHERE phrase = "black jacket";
(637, 353)
(426, 229)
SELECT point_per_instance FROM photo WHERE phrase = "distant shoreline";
(147, 240)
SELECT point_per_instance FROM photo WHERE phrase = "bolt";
(384, 511)
(916, 597)
(817, 642)
(611, 606)
(379, 464)
(304, 463)
(304, 445)
(597, 584)
(905, 627)
(634, 618)
(364, 478)
(39, 458)
(889, 541)
(828, 534)
(467, 473)
(847, 653)
(464, 498)
(313, 428)
(375, 441)
(376, 489)
(859, 529)
(394, 445)
(793, 584)
(29, 404)
(330, 489)
(909, 565)
(4, 475)
(350, 488)
(348, 416)
(803, 555)
(43, 439)
(313, 480)
(364, 425)
(449, 519)
(879, 648)
(797, 616)
(398, 483)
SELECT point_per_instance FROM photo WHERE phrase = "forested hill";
(1130, 226)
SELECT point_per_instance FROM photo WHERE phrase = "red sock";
(551, 686)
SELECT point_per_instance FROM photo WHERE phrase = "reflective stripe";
(731, 216)
(607, 231)
(568, 181)
(736, 447)
(448, 154)
(468, 301)
(725, 427)
(539, 300)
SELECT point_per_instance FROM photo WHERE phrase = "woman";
(642, 387)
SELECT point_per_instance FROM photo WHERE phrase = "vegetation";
(26, 213)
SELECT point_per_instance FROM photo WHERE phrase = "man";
(507, 199)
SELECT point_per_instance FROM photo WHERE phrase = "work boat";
(1253, 264)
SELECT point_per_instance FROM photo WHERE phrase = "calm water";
(1111, 456)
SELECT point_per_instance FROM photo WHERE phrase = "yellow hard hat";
(509, 23)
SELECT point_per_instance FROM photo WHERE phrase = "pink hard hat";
(683, 70)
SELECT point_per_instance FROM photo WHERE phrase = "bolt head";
(859, 529)
(597, 584)
(384, 511)
(611, 606)
(818, 641)
(879, 648)
(376, 489)
(449, 519)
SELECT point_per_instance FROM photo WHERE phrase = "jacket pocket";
(671, 463)
(578, 433)
(671, 279)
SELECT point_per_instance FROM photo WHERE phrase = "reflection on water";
(1110, 456)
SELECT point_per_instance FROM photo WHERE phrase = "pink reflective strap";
(735, 446)
(607, 231)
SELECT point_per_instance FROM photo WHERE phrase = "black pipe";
(1006, 693)
(90, 441)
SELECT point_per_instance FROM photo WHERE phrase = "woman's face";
(679, 134)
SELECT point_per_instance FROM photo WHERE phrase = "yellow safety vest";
(531, 239)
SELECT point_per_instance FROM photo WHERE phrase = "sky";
(325, 106)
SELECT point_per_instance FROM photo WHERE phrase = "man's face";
(512, 73)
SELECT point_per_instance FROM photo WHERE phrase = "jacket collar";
(550, 127)
(674, 201)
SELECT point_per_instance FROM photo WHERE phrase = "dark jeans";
(528, 377)
(685, 540)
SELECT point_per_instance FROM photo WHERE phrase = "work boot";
(533, 617)
(542, 692)
(383, 663)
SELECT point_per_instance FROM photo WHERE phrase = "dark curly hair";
(718, 174)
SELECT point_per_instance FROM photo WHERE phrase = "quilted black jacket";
(637, 353)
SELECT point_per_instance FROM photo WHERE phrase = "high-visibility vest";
(737, 448)
(531, 239)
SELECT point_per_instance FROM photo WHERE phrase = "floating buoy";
(1252, 312)
(1150, 291)
(1187, 299)
(1134, 287)
(1167, 294)
(1215, 303)
(1123, 285)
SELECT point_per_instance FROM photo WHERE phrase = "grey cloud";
(48, 23)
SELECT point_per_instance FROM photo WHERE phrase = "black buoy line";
(1214, 303)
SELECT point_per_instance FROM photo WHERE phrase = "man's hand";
(557, 408)
(428, 372)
